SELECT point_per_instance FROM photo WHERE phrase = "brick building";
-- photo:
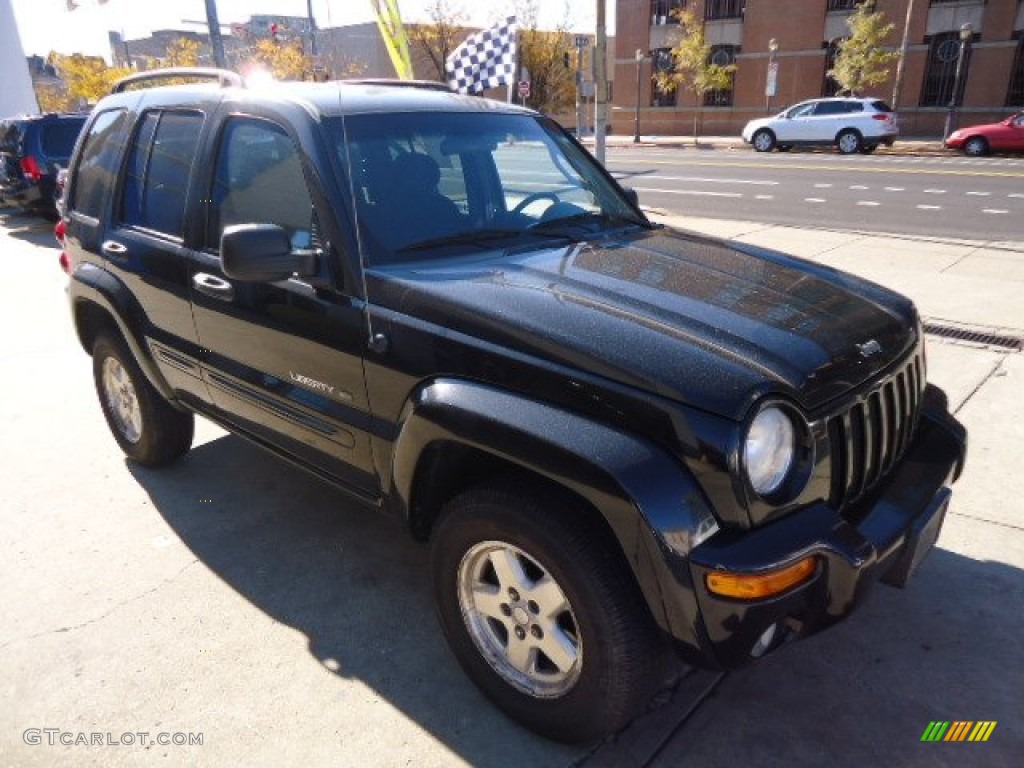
(805, 32)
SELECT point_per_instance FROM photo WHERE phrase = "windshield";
(430, 184)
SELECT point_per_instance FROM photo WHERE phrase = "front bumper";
(893, 531)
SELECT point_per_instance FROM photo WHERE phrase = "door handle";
(113, 249)
(211, 285)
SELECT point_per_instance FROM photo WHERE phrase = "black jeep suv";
(618, 438)
(32, 152)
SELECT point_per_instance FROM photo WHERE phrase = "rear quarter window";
(10, 136)
(96, 169)
(881, 106)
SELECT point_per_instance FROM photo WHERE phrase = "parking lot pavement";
(234, 597)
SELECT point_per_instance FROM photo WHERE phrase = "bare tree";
(438, 38)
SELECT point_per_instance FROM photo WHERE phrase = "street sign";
(772, 80)
(582, 41)
(524, 88)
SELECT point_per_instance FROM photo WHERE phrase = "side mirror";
(262, 253)
(632, 196)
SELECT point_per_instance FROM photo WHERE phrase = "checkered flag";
(486, 59)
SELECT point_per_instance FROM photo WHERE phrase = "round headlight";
(769, 450)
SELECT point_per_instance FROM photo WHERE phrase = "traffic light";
(273, 32)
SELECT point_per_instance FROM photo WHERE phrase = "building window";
(1015, 94)
(843, 5)
(829, 85)
(940, 74)
(662, 11)
(723, 9)
(723, 56)
(661, 61)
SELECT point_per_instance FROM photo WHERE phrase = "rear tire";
(976, 146)
(148, 428)
(849, 141)
(542, 612)
(763, 141)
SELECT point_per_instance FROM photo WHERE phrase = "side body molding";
(647, 497)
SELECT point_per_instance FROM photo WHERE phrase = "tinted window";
(159, 164)
(854, 106)
(57, 139)
(97, 165)
(881, 106)
(10, 136)
(259, 181)
(801, 110)
(829, 108)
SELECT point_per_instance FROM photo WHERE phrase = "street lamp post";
(771, 76)
(636, 112)
(965, 42)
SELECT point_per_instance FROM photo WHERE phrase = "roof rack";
(224, 76)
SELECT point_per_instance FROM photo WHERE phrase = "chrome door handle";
(214, 286)
(113, 249)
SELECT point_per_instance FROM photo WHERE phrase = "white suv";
(853, 125)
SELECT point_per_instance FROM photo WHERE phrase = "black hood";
(692, 319)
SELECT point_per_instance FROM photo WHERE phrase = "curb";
(924, 148)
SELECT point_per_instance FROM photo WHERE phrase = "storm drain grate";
(989, 337)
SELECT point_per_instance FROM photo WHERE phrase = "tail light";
(30, 168)
(881, 116)
(59, 231)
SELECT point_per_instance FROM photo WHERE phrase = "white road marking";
(993, 210)
(1015, 194)
(814, 200)
(867, 202)
(822, 186)
(756, 182)
(935, 191)
(858, 186)
(979, 194)
(895, 189)
(698, 192)
(764, 197)
(930, 207)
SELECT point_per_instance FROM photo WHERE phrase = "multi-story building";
(799, 37)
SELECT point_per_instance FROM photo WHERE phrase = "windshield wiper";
(476, 236)
(577, 220)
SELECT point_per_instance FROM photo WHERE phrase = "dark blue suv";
(32, 151)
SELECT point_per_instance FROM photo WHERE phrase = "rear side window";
(854, 106)
(158, 170)
(881, 106)
(829, 108)
(10, 136)
(97, 165)
(57, 139)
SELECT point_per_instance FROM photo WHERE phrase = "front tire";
(148, 429)
(849, 142)
(976, 146)
(542, 612)
(763, 141)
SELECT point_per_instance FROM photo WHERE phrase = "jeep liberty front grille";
(870, 437)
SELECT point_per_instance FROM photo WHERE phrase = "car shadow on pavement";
(349, 577)
(354, 582)
(24, 226)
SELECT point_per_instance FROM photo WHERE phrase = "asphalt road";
(955, 197)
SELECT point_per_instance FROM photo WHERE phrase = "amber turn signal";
(751, 586)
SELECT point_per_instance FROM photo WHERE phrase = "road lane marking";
(979, 194)
(659, 177)
(822, 186)
(698, 192)
(764, 197)
(993, 210)
(1015, 194)
(858, 186)
(935, 191)
(895, 189)
(929, 207)
(867, 202)
(814, 200)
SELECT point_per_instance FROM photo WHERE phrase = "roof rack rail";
(224, 76)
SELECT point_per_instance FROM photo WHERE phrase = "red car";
(1004, 136)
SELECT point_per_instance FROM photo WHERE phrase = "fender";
(649, 499)
(92, 284)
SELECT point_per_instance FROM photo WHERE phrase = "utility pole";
(600, 82)
(216, 41)
(312, 28)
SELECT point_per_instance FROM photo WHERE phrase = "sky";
(47, 25)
